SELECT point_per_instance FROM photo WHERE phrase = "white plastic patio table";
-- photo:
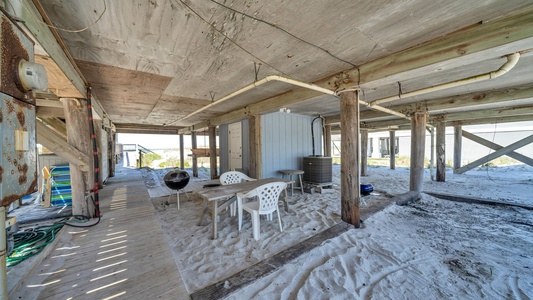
(224, 192)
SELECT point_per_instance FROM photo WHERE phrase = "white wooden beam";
(503, 151)
(494, 146)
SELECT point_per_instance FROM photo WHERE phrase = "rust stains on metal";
(12, 52)
(10, 107)
(23, 170)
(1, 173)
(21, 117)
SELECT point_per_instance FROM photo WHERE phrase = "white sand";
(432, 249)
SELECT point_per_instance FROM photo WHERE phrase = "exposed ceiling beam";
(499, 115)
(49, 103)
(456, 49)
(50, 112)
(487, 113)
(466, 100)
(497, 120)
(146, 129)
(50, 40)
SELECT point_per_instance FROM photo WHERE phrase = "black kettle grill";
(177, 180)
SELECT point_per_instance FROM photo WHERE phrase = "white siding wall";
(286, 139)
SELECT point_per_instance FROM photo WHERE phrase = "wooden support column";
(102, 150)
(111, 155)
(256, 154)
(392, 147)
(364, 152)
(350, 185)
(194, 158)
(213, 151)
(418, 145)
(327, 140)
(78, 135)
(441, 150)
(182, 152)
(457, 147)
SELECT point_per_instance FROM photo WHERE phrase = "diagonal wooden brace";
(496, 154)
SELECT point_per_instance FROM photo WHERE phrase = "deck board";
(125, 256)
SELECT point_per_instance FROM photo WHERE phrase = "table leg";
(214, 215)
(301, 184)
(292, 186)
(285, 201)
(203, 213)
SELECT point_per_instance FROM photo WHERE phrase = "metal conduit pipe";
(512, 59)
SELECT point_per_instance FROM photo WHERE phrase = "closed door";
(235, 146)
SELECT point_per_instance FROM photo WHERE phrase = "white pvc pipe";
(512, 59)
(384, 109)
(256, 84)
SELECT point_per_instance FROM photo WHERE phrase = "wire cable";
(285, 31)
(63, 29)
(230, 39)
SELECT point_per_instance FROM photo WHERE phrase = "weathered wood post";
(350, 195)
(79, 136)
(194, 158)
(364, 152)
(111, 152)
(213, 151)
(418, 145)
(327, 140)
(392, 149)
(182, 152)
(441, 150)
(101, 136)
(256, 155)
(457, 146)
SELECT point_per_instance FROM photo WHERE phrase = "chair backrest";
(233, 177)
(268, 195)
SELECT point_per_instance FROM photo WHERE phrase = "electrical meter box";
(18, 154)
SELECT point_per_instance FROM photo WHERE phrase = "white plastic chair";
(267, 198)
(233, 177)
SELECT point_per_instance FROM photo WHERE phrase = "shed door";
(235, 146)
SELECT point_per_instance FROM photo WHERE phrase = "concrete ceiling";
(152, 62)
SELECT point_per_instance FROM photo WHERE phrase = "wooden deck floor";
(125, 256)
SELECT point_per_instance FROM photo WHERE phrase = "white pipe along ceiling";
(512, 59)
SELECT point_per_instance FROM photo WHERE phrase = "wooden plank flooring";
(125, 256)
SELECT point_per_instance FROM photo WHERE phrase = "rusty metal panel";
(18, 171)
(14, 46)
